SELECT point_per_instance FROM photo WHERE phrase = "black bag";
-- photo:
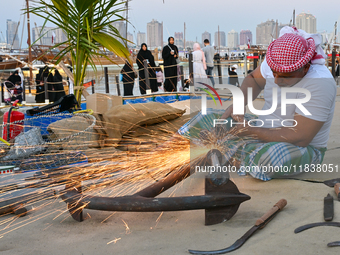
(65, 103)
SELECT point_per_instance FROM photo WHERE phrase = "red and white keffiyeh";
(294, 49)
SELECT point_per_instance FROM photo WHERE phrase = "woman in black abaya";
(144, 53)
(129, 76)
(58, 87)
(170, 55)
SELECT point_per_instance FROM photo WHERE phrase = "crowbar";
(260, 223)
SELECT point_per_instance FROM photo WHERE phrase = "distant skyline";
(200, 16)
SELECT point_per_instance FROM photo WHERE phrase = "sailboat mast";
(29, 44)
(184, 38)
(219, 42)
(126, 20)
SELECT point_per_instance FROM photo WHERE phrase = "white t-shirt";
(320, 83)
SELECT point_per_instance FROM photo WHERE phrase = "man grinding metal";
(294, 60)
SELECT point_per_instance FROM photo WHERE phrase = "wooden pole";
(29, 48)
(219, 41)
(107, 88)
(184, 39)
(117, 83)
(146, 73)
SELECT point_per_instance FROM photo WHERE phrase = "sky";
(201, 15)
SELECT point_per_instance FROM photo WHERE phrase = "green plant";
(87, 26)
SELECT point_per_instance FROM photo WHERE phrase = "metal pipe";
(166, 183)
(142, 204)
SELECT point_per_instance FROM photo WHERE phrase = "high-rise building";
(179, 39)
(206, 35)
(267, 31)
(307, 22)
(12, 34)
(222, 39)
(121, 27)
(42, 36)
(233, 39)
(141, 38)
(59, 36)
(244, 35)
(130, 38)
(155, 34)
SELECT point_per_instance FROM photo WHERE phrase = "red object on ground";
(14, 129)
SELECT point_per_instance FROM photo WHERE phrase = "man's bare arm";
(254, 80)
(300, 135)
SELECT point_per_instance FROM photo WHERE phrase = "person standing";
(14, 80)
(44, 75)
(170, 56)
(209, 53)
(58, 87)
(145, 54)
(199, 62)
(233, 78)
(129, 76)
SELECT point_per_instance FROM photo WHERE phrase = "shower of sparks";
(110, 172)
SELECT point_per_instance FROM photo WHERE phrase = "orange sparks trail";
(114, 240)
(112, 173)
(127, 231)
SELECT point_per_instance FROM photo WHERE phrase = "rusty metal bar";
(221, 200)
(142, 204)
